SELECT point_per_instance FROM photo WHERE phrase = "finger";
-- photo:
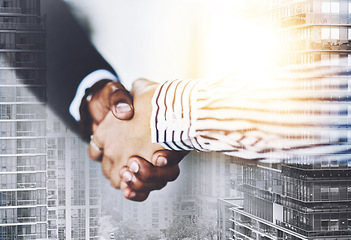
(119, 101)
(147, 172)
(136, 184)
(106, 166)
(121, 104)
(163, 158)
(124, 178)
(112, 97)
(129, 194)
(115, 178)
(94, 150)
(135, 196)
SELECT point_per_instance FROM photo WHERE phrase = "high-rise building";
(74, 193)
(49, 189)
(23, 201)
(309, 198)
(211, 173)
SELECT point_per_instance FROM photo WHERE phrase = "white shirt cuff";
(87, 82)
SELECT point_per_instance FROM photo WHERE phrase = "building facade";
(23, 187)
(74, 193)
(308, 198)
(49, 189)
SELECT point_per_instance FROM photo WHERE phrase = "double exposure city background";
(50, 189)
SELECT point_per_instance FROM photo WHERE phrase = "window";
(334, 225)
(325, 33)
(326, 7)
(325, 59)
(334, 7)
(334, 163)
(334, 59)
(324, 163)
(324, 193)
(334, 33)
(324, 224)
(330, 33)
(330, 7)
(334, 193)
(349, 33)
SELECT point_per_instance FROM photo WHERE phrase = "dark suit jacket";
(70, 57)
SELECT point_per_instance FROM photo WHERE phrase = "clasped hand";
(128, 158)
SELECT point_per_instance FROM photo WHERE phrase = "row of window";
(334, 33)
(326, 33)
(327, 7)
(25, 163)
(325, 59)
(332, 7)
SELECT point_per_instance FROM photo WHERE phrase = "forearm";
(172, 118)
(256, 120)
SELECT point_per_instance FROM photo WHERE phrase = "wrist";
(83, 87)
(86, 118)
(173, 108)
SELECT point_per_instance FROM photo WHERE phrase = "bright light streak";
(233, 41)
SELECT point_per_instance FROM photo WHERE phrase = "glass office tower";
(23, 201)
(310, 198)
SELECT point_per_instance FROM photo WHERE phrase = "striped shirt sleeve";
(280, 115)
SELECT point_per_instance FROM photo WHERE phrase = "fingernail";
(134, 167)
(127, 176)
(132, 194)
(122, 108)
(161, 161)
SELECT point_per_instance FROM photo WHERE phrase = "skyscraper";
(23, 201)
(74, 193)
(49, 189)
(308, 199)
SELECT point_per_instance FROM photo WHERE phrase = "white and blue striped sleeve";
(278, 116)
(171, 114)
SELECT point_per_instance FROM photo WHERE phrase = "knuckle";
(114, 85)
(147, 176)
(106, 167)
(123, 186)
(175, 174)
(140, 197)
(161, 185)
(119, 95)
(146, 171)
(115, 182)
(106, 173)
(94, 155)
(136, 187)
(109, 152)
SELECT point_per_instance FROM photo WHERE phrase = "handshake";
(117, 123)
(272, 118)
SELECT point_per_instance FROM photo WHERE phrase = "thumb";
(163, 158)
(120, 101)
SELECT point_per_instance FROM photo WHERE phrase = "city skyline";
(50, 189)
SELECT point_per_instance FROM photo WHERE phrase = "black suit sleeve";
(70, 57)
